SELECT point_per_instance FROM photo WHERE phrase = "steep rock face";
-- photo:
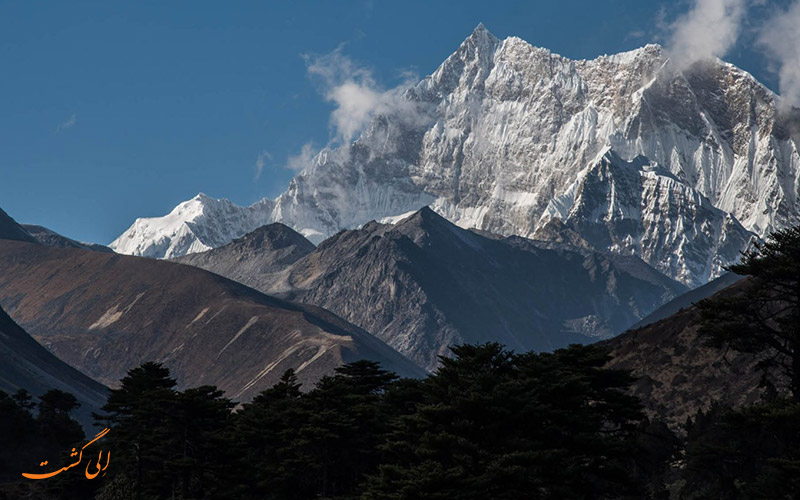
(24, 364)
(501, 128)
(106, 313)
(637, 208)
(425, 284)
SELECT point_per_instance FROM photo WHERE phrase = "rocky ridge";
(424, 284)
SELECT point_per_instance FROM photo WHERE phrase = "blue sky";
(112, 111)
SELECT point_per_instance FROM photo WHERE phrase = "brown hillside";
(106, 313)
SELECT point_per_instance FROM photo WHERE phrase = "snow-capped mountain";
(503, 135)
(638, 208)
(196, 225)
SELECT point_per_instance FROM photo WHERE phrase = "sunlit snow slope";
(508, 137)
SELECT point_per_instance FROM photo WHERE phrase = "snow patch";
(113, 315)
(252, 321)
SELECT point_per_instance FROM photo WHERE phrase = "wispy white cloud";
(263, 158)
(662, 26)
(68, 123)
(635, 35)
(779, 37)
(356, 94)
(709, 29)
(302, 159)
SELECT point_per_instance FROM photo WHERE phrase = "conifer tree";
(138, 412)
(763, 318)
(18, 429)
(493, 424)
(202, 461)
(263, 434)
(343, 424)
(749, 453)
(54, 419)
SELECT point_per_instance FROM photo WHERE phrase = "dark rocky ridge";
(50, 238)
(679, 375)
(278, 247)
(425, 284)
(106, 313)
(689, 298)
(11, 230)
(24, 364)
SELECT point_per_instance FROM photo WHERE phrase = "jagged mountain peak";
(195, 225)
(616, 205)
(650, 52)
(480, 28)
(424, 218)
(201, 196)
(502, 128)
(425, 226)
(469, 65)
(481, 37)
(202, 199)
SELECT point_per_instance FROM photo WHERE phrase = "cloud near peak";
(709, 29)
(356, 95)
(301, 160)
(263, 158)
(779, 37)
